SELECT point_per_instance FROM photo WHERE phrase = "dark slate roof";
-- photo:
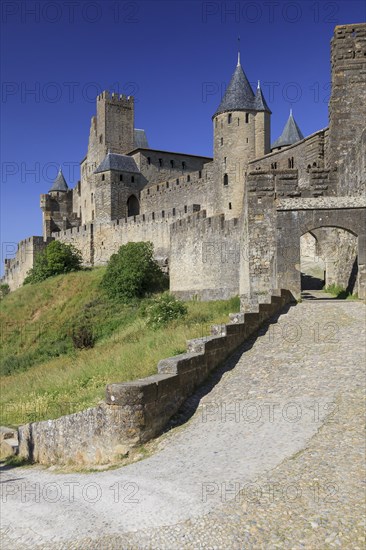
(121, 163)
(60, 183)
(290, 134)
(239, 95)
(260, 102)
(140, 139)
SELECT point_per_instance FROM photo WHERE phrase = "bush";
(83, 337)
(4, 290)
(163, 310)
(133, 273)
(57, 258)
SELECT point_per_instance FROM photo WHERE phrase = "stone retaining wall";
(135, 412)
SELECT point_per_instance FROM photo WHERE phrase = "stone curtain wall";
(307, 155)
(135, 412)
(180, 192)
(205, 257)
(17, 268)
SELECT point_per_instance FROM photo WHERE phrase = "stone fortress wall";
(185, 204)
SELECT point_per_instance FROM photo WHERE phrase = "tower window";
(173, 211)
(188, 178)
(222, 141)
(163, 213)
(92, 214)
(132, 179)
(121, 177)
(92, 197)
(229, 205)
(148, 160)
(172, 163)
(153, 215)
(183, 165)
(225, 161)
(247, 140)
(229, 118)
(148, 191)
(185, 210)
(167, 185)
(200, 174)
(160, 162)
(247, 117)
(226, 179)
(274, 165)
(101, 138)
(177, 181)
(238, 121)
(103, 177)
(157, 188)
(291, 162)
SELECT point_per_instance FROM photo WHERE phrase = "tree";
(133, 273)
(57, 258)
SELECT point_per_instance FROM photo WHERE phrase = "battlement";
(216, 223)
(116, 98)
(349, 44)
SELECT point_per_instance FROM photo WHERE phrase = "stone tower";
(57, 207)
(241, 126)
(347, 135)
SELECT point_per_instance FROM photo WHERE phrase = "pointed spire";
(239, 95)
(60, 183)
(238, 63)
(290, 134)
(260, 103)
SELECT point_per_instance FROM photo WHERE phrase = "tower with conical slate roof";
(57, 207)
(241, 133)
(291, 133)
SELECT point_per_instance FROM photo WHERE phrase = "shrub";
(82, 336)
(4, 290)
(164, 309)
(133, 273)
(57, 258)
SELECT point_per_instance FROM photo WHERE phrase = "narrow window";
(229, 205)
(153, 215)
(132, 179)
(101, 138)
(92, 197)
(229, 118)
(183, 165)
(121, 177)
(200, 174)
(247, 117)
(103, 177)
(238, 121)
(247, 140)
(173, 211)
(177, 181)
(222, 141)
(172, 163)
(92, 214)
(216, 123)
(160, 162)
(185, 210)
(225, 161)
(148, 191)
(188, 178)
(167, 185)
(148, 160)
(163, 214)
(157, 188)
(226, 179)
(291, 162)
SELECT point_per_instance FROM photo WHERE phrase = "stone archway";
(133, 206)
(292, 224)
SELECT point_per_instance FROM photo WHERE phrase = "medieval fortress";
(244, 222)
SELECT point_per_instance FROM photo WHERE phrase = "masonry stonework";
(230, 224)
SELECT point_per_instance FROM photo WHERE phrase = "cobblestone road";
(272, 457)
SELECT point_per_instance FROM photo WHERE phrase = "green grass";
(339, 292)
(44, 376)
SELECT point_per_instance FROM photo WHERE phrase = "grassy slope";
(35, 322)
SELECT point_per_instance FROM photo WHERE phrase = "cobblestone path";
(272, 456)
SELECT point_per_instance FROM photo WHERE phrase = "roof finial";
(238, 51)
(291, 111)
(259, 85)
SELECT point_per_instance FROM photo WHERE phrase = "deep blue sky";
(176, 57)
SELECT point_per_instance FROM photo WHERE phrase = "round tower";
(241, 127)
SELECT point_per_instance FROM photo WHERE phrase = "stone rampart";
(134, 412)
